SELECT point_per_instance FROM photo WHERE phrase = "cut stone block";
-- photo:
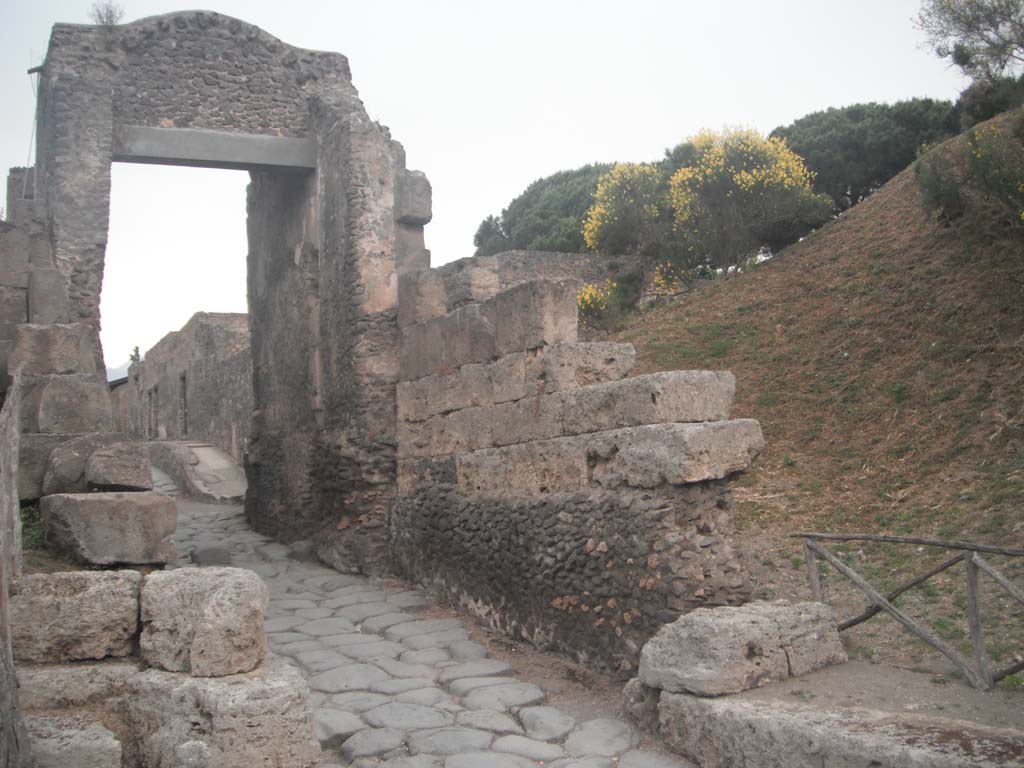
(413, 198)
(776, 734)
(464, 336)
(13, 310)
(639, 457)
(47, 297)
(65, 469)
(55, 349)
(119, 467)
(715, 651)
(657, 398)
(62, 741)
(531, 315)
(61, 617)
(111, 528)
(261, 718)
(421, 297)
(59, 686)
(76, 403)
(33, 457)
(204, 621)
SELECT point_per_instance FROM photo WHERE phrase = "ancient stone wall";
(546, 491)
(194, 384)
(13, 739)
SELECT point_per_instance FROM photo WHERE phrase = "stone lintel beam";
(637, 457)
(212, 149)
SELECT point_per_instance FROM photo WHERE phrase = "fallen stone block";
(119, 467)
(61, 617)
(111, 528)
(65, 468)
(715, 651)
(638, 457)
(59, 741)
(204, 621)
(33, 456)
(261, 718)
(715, 733)
(55, 349)
(59, 686)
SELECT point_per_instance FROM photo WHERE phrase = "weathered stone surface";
(546, 723)
(640, 705)
(715, 651)
(261, 718)
(111, 528)
(77, 402)
(449, 741)
(531, 748)
(371, 742)
(715, 733)
(33, 456)
(534, 314)
(60, 617)
(658, 398)
(63, 741)
(119, 467)
(639, 457)
(334, 726)
(55, 349)
(466, 335)
(604, 737)
(59, 686)
(204, 621)
(412, 198)
(47, 299)
(503, 697)
(65, 469)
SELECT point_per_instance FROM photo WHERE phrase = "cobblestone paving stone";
(390, 688)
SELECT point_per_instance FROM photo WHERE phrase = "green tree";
(547, 216)
(854, 150)
(627, 207)
(984, 99)
(985, 38)
(135, 356)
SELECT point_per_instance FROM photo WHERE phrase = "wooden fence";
(980, 675)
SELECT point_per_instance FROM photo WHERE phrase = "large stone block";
(532, 315)
(204, 621)
(66, 403)
(60, 617)
(60, 686)
(657, 398)
(111, 528)
(735, 731)
(47, 297)
(42, 349)
(444, 344)
(639, 457)
(65, 467)
(262, 718)
(421, 297)
(13, 310)
(119, 467)
(33, 458)
(715, 651)
(412, 198)
(60, 741)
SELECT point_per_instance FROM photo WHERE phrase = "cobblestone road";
(390, 688)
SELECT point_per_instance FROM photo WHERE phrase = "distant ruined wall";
(543, 489)
(194, 384)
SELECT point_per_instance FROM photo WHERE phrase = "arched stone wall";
(334, 216)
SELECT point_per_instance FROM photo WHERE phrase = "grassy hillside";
(884, 358)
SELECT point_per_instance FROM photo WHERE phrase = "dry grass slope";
(884, 357)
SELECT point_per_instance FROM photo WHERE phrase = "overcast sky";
(486, 98)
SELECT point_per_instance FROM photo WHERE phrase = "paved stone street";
(390, 688)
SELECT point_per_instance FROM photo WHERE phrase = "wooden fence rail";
(980, 674)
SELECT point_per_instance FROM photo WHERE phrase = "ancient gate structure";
(442, 423)
(333, 217)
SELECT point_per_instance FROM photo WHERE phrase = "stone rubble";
(390, 688)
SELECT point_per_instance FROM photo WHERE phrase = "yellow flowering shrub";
(593, 299)
(624, 209)
(998, 166)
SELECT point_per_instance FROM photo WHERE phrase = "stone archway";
(333, 218)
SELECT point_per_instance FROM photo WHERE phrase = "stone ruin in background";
(445, 424)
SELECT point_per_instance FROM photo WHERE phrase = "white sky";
(486, 98)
